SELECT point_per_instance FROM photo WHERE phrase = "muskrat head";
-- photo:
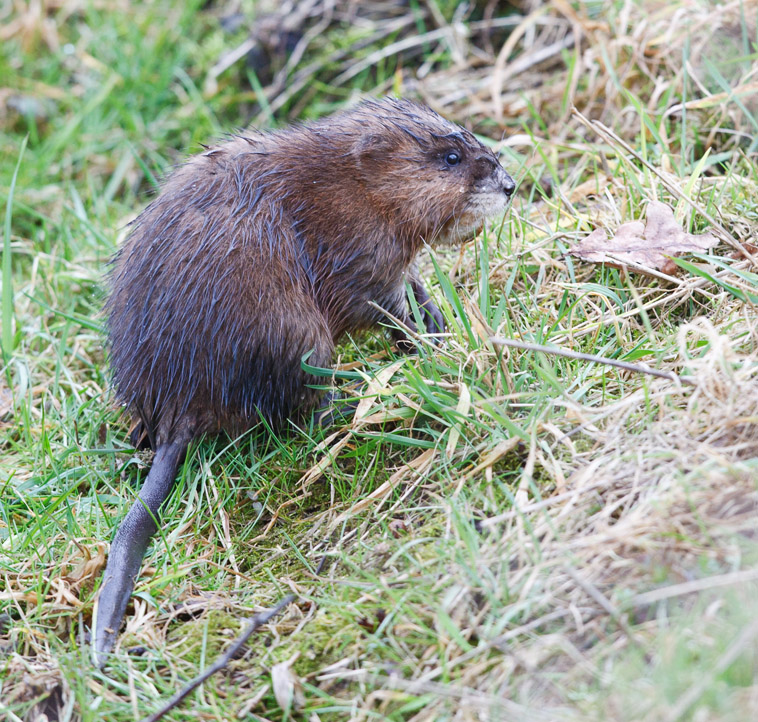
(434, 177)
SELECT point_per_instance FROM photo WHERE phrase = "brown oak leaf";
(644, 248)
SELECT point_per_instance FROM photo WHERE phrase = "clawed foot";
(433, 321)
(433, 318)
(334, 410)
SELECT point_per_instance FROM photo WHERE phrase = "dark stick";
(636, 368)
(255, 623)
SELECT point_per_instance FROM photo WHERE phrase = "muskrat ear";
(372, 146)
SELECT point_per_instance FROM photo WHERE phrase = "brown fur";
(269, 246)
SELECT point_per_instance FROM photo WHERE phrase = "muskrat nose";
(508, 184)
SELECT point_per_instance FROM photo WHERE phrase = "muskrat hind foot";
(334, 410)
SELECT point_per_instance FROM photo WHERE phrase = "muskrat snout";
(490, 195)
(490, 178)
(506, 182)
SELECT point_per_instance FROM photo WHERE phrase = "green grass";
(534, 500)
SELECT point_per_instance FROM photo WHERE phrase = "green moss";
(200, 641)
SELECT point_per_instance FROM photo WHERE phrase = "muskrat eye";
(452, 158)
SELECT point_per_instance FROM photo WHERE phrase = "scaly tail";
(129, 546)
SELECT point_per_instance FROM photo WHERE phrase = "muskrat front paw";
(433, 319)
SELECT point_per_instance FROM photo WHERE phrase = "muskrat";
(260, 250)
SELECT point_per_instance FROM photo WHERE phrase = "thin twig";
(697, 585)
(637, 368)
(593, 592)
(255, 623)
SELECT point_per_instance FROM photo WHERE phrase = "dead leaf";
(89, 568)
(398, 528)
(373, 390)
(642, 248)
(592, 187)
(6, 400)
(463, 407)
(288, 689)
(371, 625)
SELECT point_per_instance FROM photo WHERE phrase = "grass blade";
(7, 302)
